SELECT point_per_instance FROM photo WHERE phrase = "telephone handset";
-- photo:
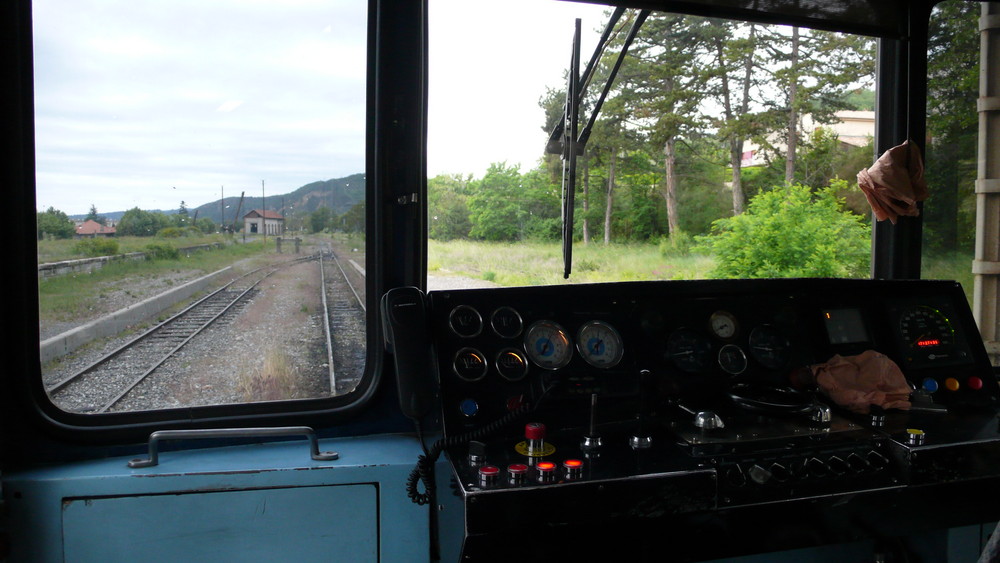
(407, 337)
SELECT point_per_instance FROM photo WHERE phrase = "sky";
(148, 104)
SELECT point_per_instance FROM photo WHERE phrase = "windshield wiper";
(566, 139)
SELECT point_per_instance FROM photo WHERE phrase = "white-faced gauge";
(548, 345)
(723, 324)
(599, 344)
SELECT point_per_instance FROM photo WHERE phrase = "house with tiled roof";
(262, 221)
(93, 229)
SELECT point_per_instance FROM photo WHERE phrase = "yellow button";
(952, 384)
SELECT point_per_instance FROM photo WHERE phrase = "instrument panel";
(688, 395)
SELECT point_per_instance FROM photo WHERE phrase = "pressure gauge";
(548, 345)
(689, 351)
(599, 344)
(732, 359)
(723, 324)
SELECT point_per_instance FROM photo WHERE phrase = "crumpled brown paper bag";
(857, 382)
(895, 183)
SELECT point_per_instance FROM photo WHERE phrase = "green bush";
(94, 247)
(790, 231)
(161, 251)
(677, 244)
(177, 232)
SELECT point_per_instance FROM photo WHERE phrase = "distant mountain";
(338, 194)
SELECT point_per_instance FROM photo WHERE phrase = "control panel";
(688, 397)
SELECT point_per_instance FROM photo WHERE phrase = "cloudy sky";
(152, 103)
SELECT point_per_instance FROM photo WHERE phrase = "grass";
(65, 249)
(274, 379)
(72, 295)
(956, 267)
(541, 263)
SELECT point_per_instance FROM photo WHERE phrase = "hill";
(338, 194)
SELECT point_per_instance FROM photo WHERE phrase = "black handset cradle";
(407, 337)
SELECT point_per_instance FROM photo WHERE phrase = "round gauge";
(469, 364)
(465, 321)
(723, 324)
(689, 351)
(732, 359)
(506, 322)
(599, 344)
(548, 345)
(926, 328)
(770, 346)
(511, 365)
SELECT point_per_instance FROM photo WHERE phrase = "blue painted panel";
(37, 496)
(288, 524)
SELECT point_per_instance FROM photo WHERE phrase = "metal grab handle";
(199, 434)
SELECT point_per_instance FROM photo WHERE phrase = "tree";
(952, 91)
(93, 216)
(664, 86)
(54, 223)
(790, 231)
(319, 219)
(495, 205)
(447, 207)
(139, 223)
(353, 220)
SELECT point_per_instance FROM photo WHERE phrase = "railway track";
(345, 325)
(103, 384)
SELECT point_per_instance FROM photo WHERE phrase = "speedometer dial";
(548, 345)
(599, 344)
(926, 328)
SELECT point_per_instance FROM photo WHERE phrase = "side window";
(200, 202)
(952, 131)
(716, 140)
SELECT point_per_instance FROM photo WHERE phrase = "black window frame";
(396, 213)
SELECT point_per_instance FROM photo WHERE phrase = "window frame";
(396, 218)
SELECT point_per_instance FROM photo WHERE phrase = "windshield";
(200, 201)
(722, 149)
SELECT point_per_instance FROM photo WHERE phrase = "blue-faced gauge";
(599, 344)
(548, 345)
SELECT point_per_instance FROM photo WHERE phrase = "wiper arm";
(566, 139)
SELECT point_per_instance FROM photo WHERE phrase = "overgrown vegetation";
(71, 296)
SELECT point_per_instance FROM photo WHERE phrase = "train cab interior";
(841, 415)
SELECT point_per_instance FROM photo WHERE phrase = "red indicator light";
(489, 470)
(546, 466)
(517, 468)
(975, 383)
(928, 343)
(572, 464)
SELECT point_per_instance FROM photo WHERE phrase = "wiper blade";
(566, 139)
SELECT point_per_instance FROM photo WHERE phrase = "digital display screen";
(845, 326)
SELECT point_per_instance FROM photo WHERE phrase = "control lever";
(592, 440)
(641, 439)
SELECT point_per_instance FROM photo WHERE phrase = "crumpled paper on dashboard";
(858, 382)
(895, 183)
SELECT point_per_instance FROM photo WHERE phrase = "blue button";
(468, 407)
(930, 385)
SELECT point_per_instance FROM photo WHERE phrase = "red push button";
(488, 475)
(546, 471)
(974, 383)
(573, 468)
(516, 472)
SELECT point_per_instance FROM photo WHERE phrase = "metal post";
(986, 265)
